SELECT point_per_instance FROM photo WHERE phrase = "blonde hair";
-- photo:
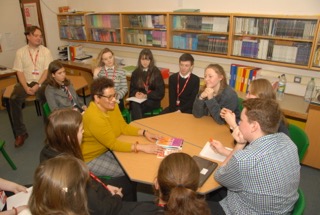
(99, 58)
(59, 187)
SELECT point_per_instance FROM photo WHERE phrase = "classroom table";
(142, 167)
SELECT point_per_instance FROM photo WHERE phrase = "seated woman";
(63, 136)
(146, 83)
(59, 187)
(60, 92)
(259, 88)
(216, 94)
(176, 188)
(107, 67)
(103, 124)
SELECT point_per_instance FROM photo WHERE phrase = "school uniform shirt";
(118, 77)
(263, 178)
(57, 98)
(188, 95)
(228, 98)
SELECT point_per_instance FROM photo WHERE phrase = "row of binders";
(241, 76)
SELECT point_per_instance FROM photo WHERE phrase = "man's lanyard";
(106, 72)
(34, 62)
(178, 87)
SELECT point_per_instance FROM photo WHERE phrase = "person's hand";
(237, 135)
(210, 92)
(115, 190)
(178, 111)
(84, 107)
(35, 88)
(150, 136)
(140, 95)
(229, 117)
(21, 208)
(149, 148)
(218, 147)
(29, 91)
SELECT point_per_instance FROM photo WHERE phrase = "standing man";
(31, 64)
(183, 87)
(263, 177)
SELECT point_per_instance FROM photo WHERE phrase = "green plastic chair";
(46, 109)
(300, 205)
(126, 115)
(240, 106)
(154, 112)
(300, 138)
(6, 156)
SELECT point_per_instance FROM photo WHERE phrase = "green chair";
(240, 106)
(6, 156)
(300, 138)
(300, 205)
(46, 109)
(154, 112)
(126, 115)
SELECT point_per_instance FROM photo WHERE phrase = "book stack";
(241, 76)
(170, 145)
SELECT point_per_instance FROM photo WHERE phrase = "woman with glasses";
(103, 124)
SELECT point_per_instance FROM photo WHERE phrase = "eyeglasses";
(110, 97)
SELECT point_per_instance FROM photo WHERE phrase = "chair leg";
(6, 156)
(38, 108)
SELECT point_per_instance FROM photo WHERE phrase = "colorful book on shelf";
(170, 142)
(241, 76)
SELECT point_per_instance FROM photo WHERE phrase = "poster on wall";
(31, 14)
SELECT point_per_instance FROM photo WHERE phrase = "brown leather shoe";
(20, 140)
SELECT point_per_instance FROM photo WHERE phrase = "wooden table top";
(142, 167)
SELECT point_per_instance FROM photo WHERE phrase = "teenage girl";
(147, 83)
(60, 92)
(216, 94)
(107, 67)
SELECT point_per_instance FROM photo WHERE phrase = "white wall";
(13, 28)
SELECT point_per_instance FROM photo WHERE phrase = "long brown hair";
(220, 71)
(178, 179)
(153, 72)
(54, 66)
(61, 131)
(59, 187)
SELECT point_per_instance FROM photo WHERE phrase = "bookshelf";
(200, 33)
(104, 28)
(290, 41)
(145, 29)
(316, 52)
(72, 26)
(274, 40)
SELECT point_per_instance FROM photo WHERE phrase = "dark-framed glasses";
(109, 97)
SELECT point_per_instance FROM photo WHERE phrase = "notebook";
(206, 168)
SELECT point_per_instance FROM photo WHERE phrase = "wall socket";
(297, 79)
